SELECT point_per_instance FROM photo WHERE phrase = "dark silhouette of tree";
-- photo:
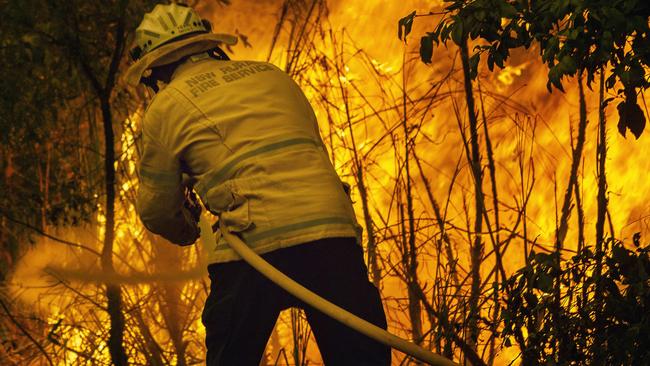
(77, 47)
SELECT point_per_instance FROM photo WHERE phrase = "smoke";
(70, 259)
(31, 282)
(97, 276)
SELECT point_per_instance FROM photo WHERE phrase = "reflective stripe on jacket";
(246, 132)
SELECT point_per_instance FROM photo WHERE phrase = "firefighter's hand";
(188, 233)
(192, 205)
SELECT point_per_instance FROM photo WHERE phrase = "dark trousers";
(243, 305)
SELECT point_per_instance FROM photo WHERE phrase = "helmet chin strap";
(218, 54)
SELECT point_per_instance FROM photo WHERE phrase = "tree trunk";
(499, 269)
(113, 291)
(600, 222)
(476, 250)
(411, 268)
(103, 92)
(559, 346)
(575, 163)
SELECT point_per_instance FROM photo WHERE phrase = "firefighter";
(243, 136)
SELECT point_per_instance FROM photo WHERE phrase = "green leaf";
(547, 259)
(620, 255)
(499, 57)
(636, 75)
(554, 79)
(630, 116)
(611, 81)
(507, 10)
(552, 46)
(444, 32)
(490, 61)
(457, 32)
(544, 283)
(404, 26)
(572, 34)
(426, 48)
(568, 65)
(480, 15)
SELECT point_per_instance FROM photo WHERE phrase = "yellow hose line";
(330, 309)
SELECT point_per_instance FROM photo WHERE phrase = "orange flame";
(530, 130)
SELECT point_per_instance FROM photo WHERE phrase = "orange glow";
(531, 132)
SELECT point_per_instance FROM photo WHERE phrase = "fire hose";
(326, 307)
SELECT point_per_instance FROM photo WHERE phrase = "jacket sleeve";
(160, 199)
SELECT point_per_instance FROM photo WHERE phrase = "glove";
(192, 204)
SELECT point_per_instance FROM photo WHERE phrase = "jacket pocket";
(230, 205)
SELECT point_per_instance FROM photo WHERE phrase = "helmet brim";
(174, 51)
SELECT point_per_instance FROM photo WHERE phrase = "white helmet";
(168, 33)
(164, 24)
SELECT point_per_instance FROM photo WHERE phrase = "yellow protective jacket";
(246, 132)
